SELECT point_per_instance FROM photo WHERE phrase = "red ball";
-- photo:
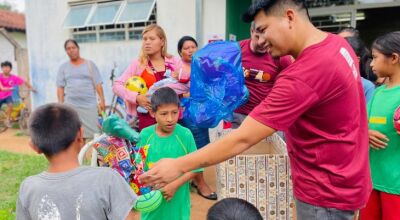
(396, 119)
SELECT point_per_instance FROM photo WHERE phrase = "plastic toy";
(118, 127)
(148, 202)
(136, 84)
(396, 119)
(169, 81)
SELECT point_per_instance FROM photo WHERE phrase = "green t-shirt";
(178, 144)
(385, 163)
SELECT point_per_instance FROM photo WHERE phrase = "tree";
(6, 6)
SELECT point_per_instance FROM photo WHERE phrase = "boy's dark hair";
(388, 44)
(183, 40)
(233, 209)
(365, 57)
(53, 128)
(6, 63)
(274, 7)
(352, 30)
(163, 96)
(70, 41)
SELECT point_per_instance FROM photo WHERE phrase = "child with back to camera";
(66, 190)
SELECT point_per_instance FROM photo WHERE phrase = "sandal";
(212, 196)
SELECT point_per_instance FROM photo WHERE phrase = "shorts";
(6, 100)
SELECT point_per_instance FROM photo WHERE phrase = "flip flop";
(212, 196)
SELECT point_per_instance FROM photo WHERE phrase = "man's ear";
(34, 147)
(290, 15)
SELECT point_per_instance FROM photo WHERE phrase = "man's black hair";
(269, 6)
(354, 32)
(53, 128)
(365, 57)
(6, 63)
(163, 96)
(233, 209)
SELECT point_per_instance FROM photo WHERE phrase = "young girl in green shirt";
(384, 201)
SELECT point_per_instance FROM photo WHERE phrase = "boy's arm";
(169, 190)
(131, 216)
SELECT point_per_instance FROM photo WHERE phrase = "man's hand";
(377, 140)
(162, 173)
(168, 191)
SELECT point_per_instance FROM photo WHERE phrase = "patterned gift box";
(261, 177)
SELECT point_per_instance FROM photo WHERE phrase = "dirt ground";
(11, 141)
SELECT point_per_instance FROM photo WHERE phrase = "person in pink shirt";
(151, 65)
(261, 70)
(7, 83)
(317, 101)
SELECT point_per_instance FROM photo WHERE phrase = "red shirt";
(261, 71)
(318, 101)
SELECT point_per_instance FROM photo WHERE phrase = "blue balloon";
(216, 84)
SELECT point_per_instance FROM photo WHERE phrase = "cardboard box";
(261, 175)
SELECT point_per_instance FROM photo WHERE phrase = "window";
(137, 11)
(112, 36)
(110, 21)
(85, 38)
(104, 14)
(77, 16)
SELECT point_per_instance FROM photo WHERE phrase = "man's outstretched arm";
(167, 170)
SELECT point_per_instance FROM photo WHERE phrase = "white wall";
(214, 19)
(46, 37)
(7, 52)
(177, 18)
(20, 38)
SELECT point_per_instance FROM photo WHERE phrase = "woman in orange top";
(151, 65)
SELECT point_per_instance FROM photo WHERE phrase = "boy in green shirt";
(168, 139)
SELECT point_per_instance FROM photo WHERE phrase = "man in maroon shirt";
(261, 71)
(317, 101)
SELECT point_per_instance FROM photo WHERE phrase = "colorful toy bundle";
(139, 166)
(117, 152)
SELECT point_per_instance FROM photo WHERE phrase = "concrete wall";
(46, 36)
(7, 51)
(20, 38)
(214, 20)
(177, 17)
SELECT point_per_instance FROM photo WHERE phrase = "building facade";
(109, 31)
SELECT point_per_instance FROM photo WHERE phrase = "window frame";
(136, 21)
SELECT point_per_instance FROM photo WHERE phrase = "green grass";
(13, 169)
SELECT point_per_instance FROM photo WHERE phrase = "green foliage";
(13, 169)
(8, 7)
